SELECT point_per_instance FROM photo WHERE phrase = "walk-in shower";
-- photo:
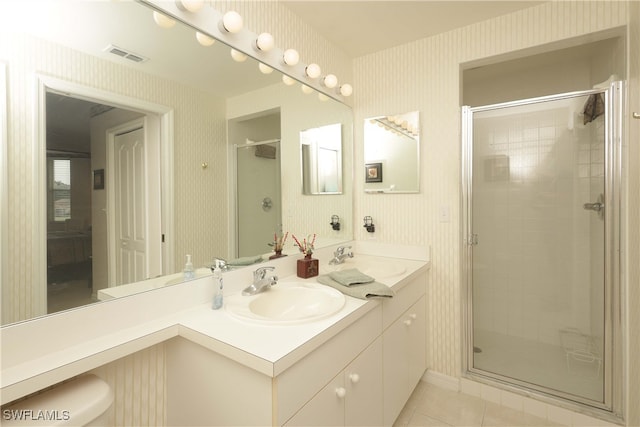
(541, 232)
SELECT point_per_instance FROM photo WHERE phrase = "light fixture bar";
(207, 20)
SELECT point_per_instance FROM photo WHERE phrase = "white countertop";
(36, 354)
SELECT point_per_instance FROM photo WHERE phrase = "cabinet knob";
(413, 316)
(408, 322)
(341, 392)
(354, 378)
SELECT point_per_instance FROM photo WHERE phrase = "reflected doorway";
(256, 157)
(78, 178)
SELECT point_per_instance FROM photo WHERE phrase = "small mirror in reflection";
(392, 153)
(321, 150)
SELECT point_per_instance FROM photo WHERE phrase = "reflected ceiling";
(172, 53)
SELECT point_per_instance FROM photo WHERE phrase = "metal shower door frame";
(613, 401)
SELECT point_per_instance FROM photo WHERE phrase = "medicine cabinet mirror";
(392, 153)
(321, 151)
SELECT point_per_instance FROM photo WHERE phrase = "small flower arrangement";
(279, 241)
(306, 247)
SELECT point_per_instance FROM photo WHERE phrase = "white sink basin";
(287, 303)
(378, 269)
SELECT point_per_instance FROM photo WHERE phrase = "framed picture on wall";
(373, 172)
(98, 179)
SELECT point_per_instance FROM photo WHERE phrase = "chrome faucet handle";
(261, 272)
(220, 262)
(340, 250)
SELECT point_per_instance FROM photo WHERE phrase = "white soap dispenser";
(217, 283)
(188, 273)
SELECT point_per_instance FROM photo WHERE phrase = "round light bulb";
(238, 56)
(306, 89)
(192, 5)
(322, 96)
(288, 80)
(291, 57)
(232, 22)
(330, 81)
(204, 39)
(163, 21)
(264, 68)
(265, 42)
(346, 90)
(313, 71)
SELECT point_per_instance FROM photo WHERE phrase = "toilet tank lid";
(76, 402)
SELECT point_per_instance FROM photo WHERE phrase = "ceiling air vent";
(124, 53)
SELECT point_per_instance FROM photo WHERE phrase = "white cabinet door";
(404, 363)
(363, 384)
(325, 409)
(352, 398)
(417, 342)
(396, 370)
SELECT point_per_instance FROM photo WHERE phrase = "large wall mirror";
(392, 153)
(113, 89)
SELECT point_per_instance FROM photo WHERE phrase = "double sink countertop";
(44, 351)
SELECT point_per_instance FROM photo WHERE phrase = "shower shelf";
(581, 352)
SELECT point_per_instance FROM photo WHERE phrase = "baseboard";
(441, 380)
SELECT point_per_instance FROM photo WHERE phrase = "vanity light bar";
(124, 53)
(229, 29)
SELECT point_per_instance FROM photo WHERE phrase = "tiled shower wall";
(534, 260)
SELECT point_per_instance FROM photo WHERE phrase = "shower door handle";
(597, 206)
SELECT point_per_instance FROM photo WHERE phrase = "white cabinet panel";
(363, 385)
(325, 409)
(352, 398)
(403, 358)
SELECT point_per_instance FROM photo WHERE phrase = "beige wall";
(425, 75)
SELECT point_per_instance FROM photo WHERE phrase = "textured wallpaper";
(425, 75)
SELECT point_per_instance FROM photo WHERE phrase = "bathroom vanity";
(357, 366)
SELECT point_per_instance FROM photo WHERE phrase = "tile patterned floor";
(430, 406)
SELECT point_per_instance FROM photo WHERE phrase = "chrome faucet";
(221, 263)
(341, 253)
(261, 282)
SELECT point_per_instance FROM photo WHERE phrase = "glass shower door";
(536, 221)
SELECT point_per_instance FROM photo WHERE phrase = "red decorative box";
(307, 267)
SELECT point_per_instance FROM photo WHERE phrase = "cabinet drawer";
(298, 384)
(392, 308)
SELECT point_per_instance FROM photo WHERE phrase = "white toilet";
(83, 401)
